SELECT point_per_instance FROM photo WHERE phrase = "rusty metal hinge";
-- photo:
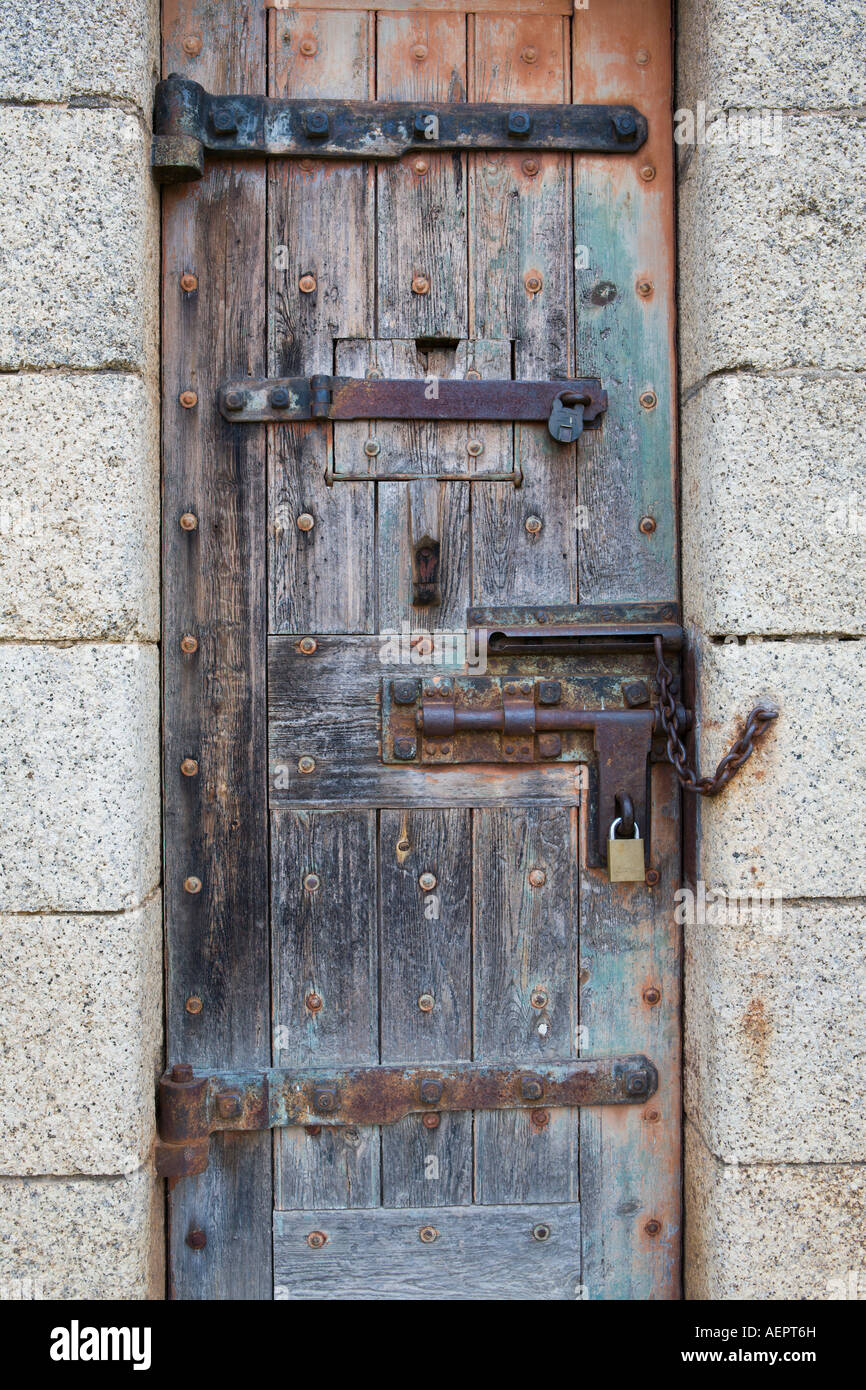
(193, 1105)
(569, 407)
(187, 120)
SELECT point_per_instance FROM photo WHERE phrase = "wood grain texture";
(457, 6)
(422, 215)
(325, 943)
(321, 224)
(214, 700)
(520, 227)
(526, 942)
(485, 1253)
(426, 948)
(624, 233)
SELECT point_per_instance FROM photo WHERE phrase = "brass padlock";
(625, 862)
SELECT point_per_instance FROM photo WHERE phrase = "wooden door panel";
(358, 912)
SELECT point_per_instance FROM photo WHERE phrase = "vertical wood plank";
(630, 1155)
(214, 699)
(624, 235)
(525, 946)
(422, 199)
(325, 945)
(426, 949)
(520, 236)
(322, 221)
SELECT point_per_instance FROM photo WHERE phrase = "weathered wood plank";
(325, 949)
(485, 1253)
(457, 6)
(525, 993)
(322, 221)
(326, 706)
(520, 237)
(426, 948)
(630, 1162)
(422, 263)
(624, 237)
(214, 698)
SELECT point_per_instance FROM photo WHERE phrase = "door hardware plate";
(192, 1106)
(251, 400)
(189, 120)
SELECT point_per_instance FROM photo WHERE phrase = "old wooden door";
(326, 909)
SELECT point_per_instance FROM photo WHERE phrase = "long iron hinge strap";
(189, 120)
(193, 1105)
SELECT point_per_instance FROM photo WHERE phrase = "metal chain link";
(756, 725)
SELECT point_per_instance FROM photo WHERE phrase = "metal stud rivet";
(188, 282)
(316, 1239)
(642, 57)
(538, 999)
(530, 167)
(192, 884)
(307, 646)
(430, 1120)
(419, 52)
(306, 522)
(420, 284)
(192, 45)
(652, 995)
(193, 1005)
(309, 47)
(647, 525)
(533, 525)
(427, 882)
(541, 1231)
(307, 284)
(529, 54)
(532, 281)
(425, 1003)
(420, 166)
(306, 764)
(312, 883)
(645, 288)
(647, 173)
(649, 400)
(313, 1002)
(188, 399)
(234, 400)
(537, 877)
(189, 767)
(372, 448)
(189, 521)
(474, 448)
(428, 1234)
(196, 1239)
(188, 644)
(652, 1228)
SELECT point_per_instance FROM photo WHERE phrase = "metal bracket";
(187, 120)
(540, 708)
(321, 397)
(192, 1106)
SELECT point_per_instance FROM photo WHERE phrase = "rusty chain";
(756, 725)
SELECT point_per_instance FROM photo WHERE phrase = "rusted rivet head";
(313, 1130)
(431, 1091)
(531, 1087)
(549, 745)
(307, 166)
(312, 883)
(188, 399)
(624, 124)
(188, 644)
(309, 47)
(529, 54)
(473, 374)
(224, 122)
(651, 995)
(189, 767)
(192, 45)
(538, 999)
(280, 397)
(645, 288)
(193, 1004)
(647, 173)
(519, 124)
(324, 1099)
(533, 525)
(307, 284)
(307, 646)
(474, 448)
(306, 764)
(188, 282)
(642, 57)
(192, 884)
(635, 693)
(405, 748)
(181, 1071)
(420, 284)
(372, 448)
(652, 1228)
(647, 525)
(421, 167)
(541, 1231)
(196, 1238)
(430, 1121)
(316, 1239)
(540, 1118)
(530, 167)
(537, 878)
(428, 1234)
(234, 400)
(305, 522)
(419, 52)
(652, 1117)
(637, 1083)
(533, 281)
(314, 1003)
(652, 877)
(189, 521)
(317, 125)
(425, 1003)
(229, 1105)
(649, 400)
(427, 881)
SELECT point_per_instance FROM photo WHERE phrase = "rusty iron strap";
(187, 121)
(322, 397)
(759, 720)
(193, 1105)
